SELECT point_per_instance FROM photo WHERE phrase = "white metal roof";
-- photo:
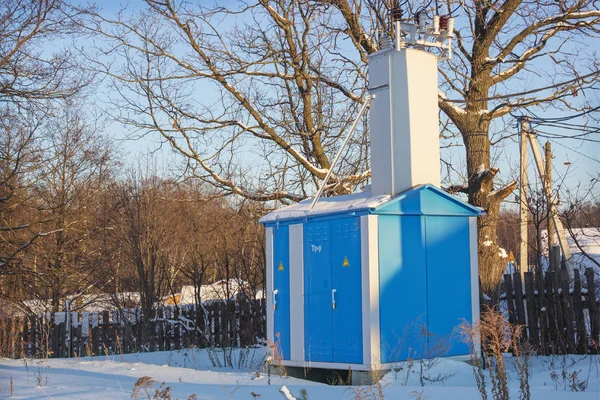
(327, 205)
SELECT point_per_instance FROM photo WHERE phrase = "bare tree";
(205, 223)
(248, 243)
(149, 233)
(288, 76)
(27, 73)
(227, 243)
(30, 78)
(283, 93)
(78, 164)
(20, 156)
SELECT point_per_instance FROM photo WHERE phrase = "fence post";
(161, 328)
(212, 325)
(53, 335)
(542, 306)
(96, 333)
(519, 303)
(532, 320)
(244, 322)
(567, 307)
(593, 307)
(581, 344)
(561, 339)
(261, 317)
(25, 345)
(190, 337)
(105, 334)
(222, 322)
(509, 298)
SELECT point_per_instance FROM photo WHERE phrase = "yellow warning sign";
(346, 263)
(280, 268)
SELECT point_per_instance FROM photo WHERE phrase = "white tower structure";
(404, 107)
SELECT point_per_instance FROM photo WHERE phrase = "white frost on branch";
(286, 393)
(494, 60)
(453, 106)
(487, 243)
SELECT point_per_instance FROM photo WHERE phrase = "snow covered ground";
(190, 372)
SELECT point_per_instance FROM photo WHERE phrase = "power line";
(581, 128)
(507, 96)
(559, 123)
(564, 124)
(584, 132)
(575, 151)
(552, 135)
(568, 117)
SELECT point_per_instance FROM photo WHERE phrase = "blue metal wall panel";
(448, 280)
(318, 322)
(403, 290)
(346, 281)
(281, 283)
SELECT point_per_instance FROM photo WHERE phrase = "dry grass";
(368, 392)
(488, 340)
(431, 348)
(146, 388)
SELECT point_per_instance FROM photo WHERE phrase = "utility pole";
(523, 208)
(548, 151)
(562, 239)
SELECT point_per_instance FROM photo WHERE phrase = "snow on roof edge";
(326, 205)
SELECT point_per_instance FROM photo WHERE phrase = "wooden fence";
(216, 324)
(558, 314)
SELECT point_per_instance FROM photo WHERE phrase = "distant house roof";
(587, 238)
(420, 200)
(218, 290)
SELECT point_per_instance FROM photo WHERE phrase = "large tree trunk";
(492, 260)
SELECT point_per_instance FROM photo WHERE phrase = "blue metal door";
(318, 324)
(448, 281)
(281, 289)
(403, 287)
(346, 291)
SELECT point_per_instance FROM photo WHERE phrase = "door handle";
(275, 298)
(333, 298)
